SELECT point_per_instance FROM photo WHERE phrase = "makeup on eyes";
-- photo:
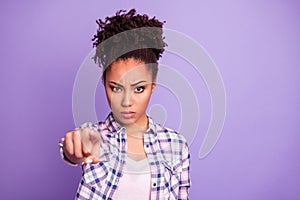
(116, 87)
(142, 88)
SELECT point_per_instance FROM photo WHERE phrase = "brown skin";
(73, 149)
(129, 86)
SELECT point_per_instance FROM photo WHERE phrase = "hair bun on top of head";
(128, 35)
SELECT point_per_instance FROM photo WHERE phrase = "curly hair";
(129, 35)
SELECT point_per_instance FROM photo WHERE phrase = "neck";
(138, 128)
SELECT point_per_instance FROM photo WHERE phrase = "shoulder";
(164, 133)
(171, 145)
(170, 139)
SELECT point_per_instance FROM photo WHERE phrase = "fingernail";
(95, 161)
(88, 161)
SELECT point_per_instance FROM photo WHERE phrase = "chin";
(125, 121)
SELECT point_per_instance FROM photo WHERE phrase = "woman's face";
(128, 85)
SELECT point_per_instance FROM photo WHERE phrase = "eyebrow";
(134, 84)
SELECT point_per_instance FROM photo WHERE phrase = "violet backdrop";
(255, 46)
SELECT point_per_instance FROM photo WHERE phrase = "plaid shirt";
(168, 157)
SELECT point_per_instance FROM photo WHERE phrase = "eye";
(139, 89)
(116, 89)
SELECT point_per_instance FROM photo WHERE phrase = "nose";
(127, 99)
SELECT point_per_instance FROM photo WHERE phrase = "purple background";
(254, 44)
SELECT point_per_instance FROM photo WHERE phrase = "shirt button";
(154, 184)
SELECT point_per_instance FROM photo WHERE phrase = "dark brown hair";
(129, 35)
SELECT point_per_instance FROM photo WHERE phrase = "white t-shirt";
(135, 182)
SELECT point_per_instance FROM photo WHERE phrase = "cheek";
(143, 99)
(114, 98)
(111, 97)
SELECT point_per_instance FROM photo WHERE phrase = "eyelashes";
(139, 89)
(118, 89)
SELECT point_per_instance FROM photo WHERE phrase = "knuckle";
(69, 135)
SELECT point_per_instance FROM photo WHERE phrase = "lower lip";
(127, 115)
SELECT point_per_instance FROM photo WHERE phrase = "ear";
(153, 85)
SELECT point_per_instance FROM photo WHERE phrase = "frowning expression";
(129, 85)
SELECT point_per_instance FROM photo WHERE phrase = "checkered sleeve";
(185, 181)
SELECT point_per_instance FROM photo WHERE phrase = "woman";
(135, 158)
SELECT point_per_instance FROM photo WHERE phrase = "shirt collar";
(114, 127)
(151, 126)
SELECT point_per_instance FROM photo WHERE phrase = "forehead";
(128, 70)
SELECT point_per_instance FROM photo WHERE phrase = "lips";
(127, 114)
